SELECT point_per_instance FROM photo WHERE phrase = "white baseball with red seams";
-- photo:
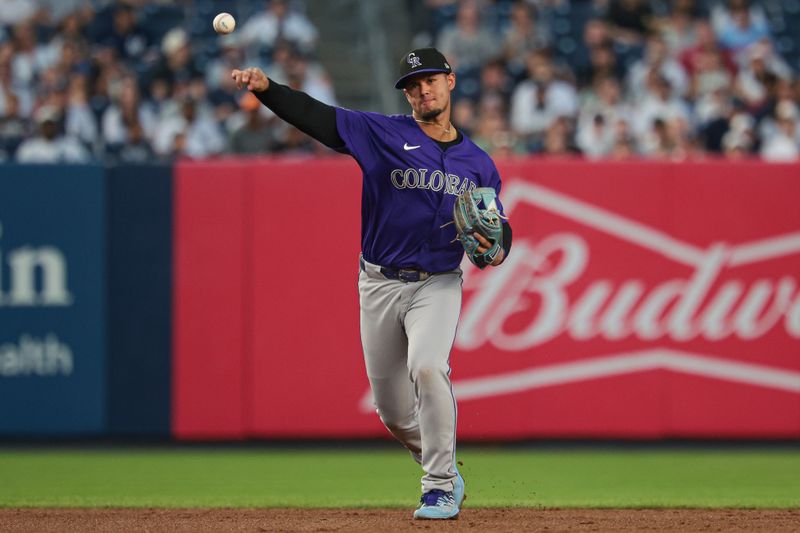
(224, 23)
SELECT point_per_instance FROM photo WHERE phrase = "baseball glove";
(476, 212)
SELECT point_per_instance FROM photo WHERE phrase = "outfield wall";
(640, 300)
(85, 301)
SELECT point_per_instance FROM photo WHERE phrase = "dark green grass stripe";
(761, 478)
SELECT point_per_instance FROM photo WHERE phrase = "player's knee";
(397, 424)
(424, 374)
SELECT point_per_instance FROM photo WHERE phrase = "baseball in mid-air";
(224, 23)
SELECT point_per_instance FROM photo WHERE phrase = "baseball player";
(414, 168)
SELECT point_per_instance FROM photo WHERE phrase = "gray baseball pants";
(407, 331)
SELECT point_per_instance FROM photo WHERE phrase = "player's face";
(429, 94)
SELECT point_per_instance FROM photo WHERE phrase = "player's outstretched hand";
(252, 78)
(485, 245)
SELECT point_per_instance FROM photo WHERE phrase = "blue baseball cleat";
(437, 505)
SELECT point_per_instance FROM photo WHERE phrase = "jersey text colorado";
(418, 178)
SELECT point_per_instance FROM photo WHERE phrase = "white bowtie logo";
(407, 147)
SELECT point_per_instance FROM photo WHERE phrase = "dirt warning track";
(371, 520)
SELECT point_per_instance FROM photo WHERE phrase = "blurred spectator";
(656, 60)
(601, 111)
(277, 21)
(738, 25)
(29, 57)
(766, 118)
(107, 75)
(495, 82)
(782, 145)
(158, 101)
(56, 11)
(7, 88)
(218, 69)
(523, 34)
(303, 75)
(668, 139)
(739, 141)
(541, 99)
(465, 116)
(196, 90)
(678, 29)
(624, 147)
(712, 112)
(14, 12)
(468, 43)
(220, 86)
(310, 78)
(177, 63)
(293, 142)
(69, 43)
(49, 146)
(126, 109)
(659, 103)
(759, 75)
(189, 134)
(129, 42)
(706, 64)
(177, 150)
(79, 121)
(13, 128)
(73, 58)
(630, 20)
(283, 54)
(492, 132)
(137, 149)
(595, 137)
(596, 57)
(256, 135)
(710, 74)
(422, 21)
(655, 142)
(558, 139)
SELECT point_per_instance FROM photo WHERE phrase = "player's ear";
(451, 81)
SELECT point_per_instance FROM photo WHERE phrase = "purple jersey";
(409, 188)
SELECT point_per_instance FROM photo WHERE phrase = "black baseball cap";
(421, 60)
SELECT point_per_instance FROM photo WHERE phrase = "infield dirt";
(371, 520)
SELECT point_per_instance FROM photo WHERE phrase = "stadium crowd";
(142, 80)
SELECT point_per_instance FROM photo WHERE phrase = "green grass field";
(247, 477)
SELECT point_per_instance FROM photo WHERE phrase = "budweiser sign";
(679, 308)
(547, 287)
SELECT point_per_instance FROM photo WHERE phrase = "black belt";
(401, 274)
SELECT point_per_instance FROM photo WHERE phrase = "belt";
(401, 274)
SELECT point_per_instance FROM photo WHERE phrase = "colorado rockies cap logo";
(413, 60)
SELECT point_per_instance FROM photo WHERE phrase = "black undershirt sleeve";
(307, 114)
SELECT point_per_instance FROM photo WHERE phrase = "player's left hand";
(485, 245)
